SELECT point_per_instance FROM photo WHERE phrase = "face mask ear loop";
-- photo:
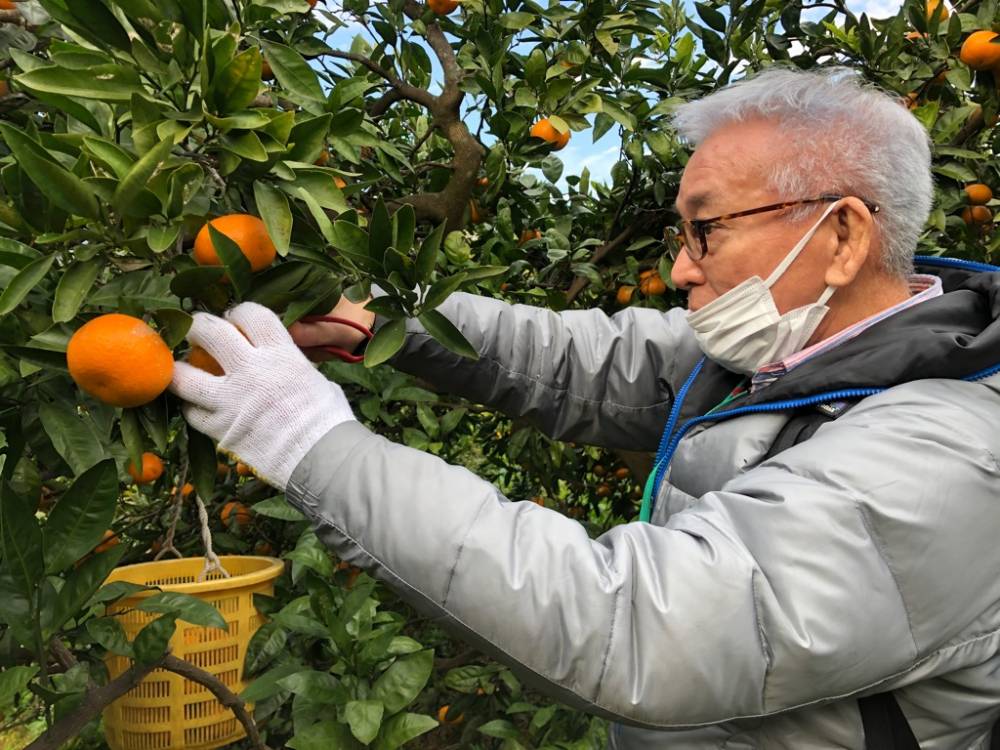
(799, 247)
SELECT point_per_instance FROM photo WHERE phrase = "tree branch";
(451, 96)
(380, 106)
(12, 16)
(580, 282)
(224, 695)
(418, 95)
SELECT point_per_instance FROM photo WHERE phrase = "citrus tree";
(161, 157)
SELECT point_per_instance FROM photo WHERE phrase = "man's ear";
(855, 227)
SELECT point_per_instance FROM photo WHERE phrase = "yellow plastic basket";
(169, 712)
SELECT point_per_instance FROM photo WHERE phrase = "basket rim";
(272, 570)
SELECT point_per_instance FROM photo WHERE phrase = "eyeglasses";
(692, 235)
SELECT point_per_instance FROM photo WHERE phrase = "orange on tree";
(622, 473)
(981, 51)
(624, 295)
(652, 285)
(221, 469)
(545, 130)
(119, 360)
(243, 469)
(201, 359)
(528, 235)
(483, 182)
(475, 215)
(235, 512)
(7, 5)
(932, 6)
(978, 193)
(152, 469)
(324, 157)
(248, 232)
(443, 716)
(4, 88)
(340, 182)
(263, 548)
(109, 540)
(187, 490)
(600, 470)
(538, 500)
(442, 7)
(266, 72)
(603, 490)
(976, 215)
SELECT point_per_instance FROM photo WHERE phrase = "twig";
(413, 93)
(224, 695)
(168, 544)
(580, 282)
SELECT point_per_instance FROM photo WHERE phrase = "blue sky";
(599, 157)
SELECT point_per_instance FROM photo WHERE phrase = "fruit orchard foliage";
(126, 124)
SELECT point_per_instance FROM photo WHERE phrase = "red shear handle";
(336, 351)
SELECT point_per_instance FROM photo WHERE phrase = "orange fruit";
(978, 194)
(243, 469)
(475, 215)
(4, 89)
(312, 3)
(443, 717)
(547, 132)
(340, 182)
(201, 359)
(483, 182)
(263, 548)
(913, 35)
(221, 469)
(235, 512)
(119, 360)
(974, 215)
(442, 7)
(624, 295)
(603, 490)
(980, 51)
(652, 285)
(622, 473)
(528, 235)
(152, 469)
(323, 159)
(186, 490)
(932, 5)
(247, 231)
(600, 470)
(109, 540)
(266, 73)
(7, 5)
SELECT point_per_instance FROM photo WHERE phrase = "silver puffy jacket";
(766, 595)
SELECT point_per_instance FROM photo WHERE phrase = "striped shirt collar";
(922, 287)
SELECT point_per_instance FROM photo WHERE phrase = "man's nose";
(685, 272)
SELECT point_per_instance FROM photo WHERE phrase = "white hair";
(843, 136)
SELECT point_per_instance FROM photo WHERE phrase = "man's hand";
(271, 405)
(334, 334)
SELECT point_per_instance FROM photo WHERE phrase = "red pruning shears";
(336, 351)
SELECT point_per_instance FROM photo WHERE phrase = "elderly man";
(819, 565)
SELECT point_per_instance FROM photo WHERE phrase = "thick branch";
(94, 701)
(380, 106)
(451, 97)
(972, 126)
(224, 695)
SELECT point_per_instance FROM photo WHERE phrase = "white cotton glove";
(271, 406)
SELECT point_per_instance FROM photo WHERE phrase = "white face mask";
(742, 329)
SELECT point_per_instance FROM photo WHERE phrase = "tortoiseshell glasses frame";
(685, 236)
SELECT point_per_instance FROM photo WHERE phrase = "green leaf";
(80, 586)
(62, 187)
(440, 290)
(293, 72)
(273, 208)
(192, 282)
(500, 728)
(13, 680)
(264, 646)
(184, 607)
(956, 171)
(25, 280)
(110, 634)
(400, 729)
(151, 642)
(403, 225)
(237, 84)
(321, 687)
(446, 334)
(73, 287)
(364, 718)
(78, 521)
(233, 260)
(130, 187)
(107, 83)
(74, 438)
(379, 232)
(534, 68)
(246, 145)
(20, 540)
(387, 341)
(101, 24)
(265, 685)
(402, 682)
(132, 435)
(278, 507)
(308, 138)
(428, 255)
(323, 735)
(110, 154)
(201, 454)
(711, 16)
